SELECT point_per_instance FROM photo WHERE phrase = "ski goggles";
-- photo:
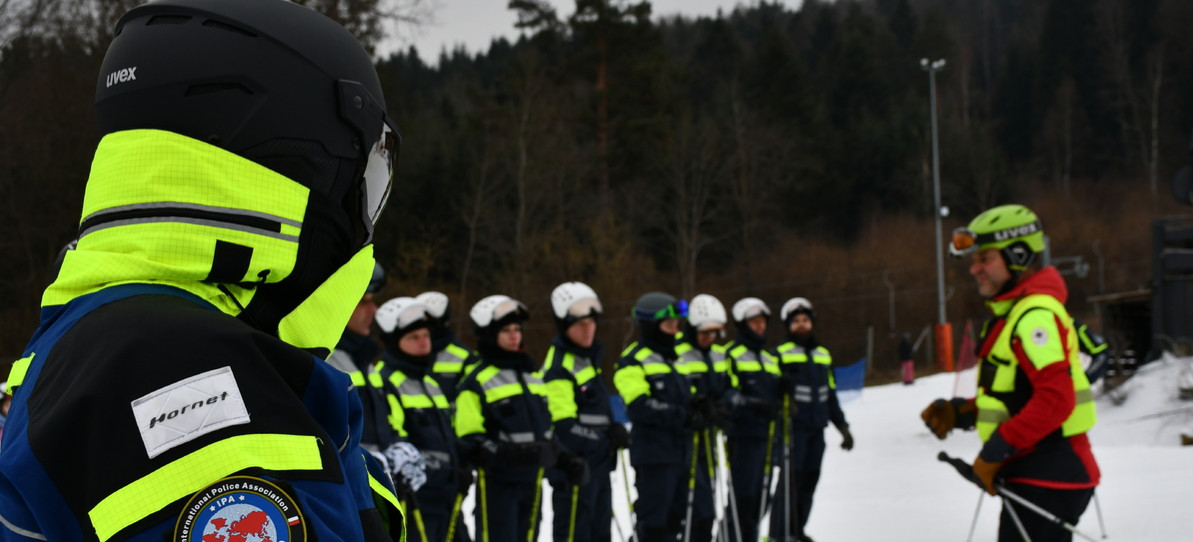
(966, 242)
(510, 307)
(679, 309)
(378, 175)
(585, 308)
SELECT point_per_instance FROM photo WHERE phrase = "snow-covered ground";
(892, 488)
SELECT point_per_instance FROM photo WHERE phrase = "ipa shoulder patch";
(241, 508)
(188, 409)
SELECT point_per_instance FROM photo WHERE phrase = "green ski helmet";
(1012, 229)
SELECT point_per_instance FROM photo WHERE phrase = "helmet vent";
(210, 88)
(225, 26)
(168, 19)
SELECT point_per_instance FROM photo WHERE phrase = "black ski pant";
(505, 510)
(747, 462)
(807, 452)
(1067, 504)
(662, 500)
(594, 505)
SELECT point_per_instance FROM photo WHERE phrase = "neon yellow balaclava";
(162, 208)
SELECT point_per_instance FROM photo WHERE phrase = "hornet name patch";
(188, 409)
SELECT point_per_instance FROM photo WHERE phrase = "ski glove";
(787, 385)
(943, 416)
(575, 467)
(697, 420)
(529, 454)
(464, 479)
(618, 436)
(406, 465)
(986, 471)
(846, 437)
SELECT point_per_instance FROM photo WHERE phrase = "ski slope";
(891, 487)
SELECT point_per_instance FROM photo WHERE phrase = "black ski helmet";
(269, 80)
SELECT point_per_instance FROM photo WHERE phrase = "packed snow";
(892, 488)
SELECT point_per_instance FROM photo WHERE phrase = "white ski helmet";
(572, 301)
(436, 303)
(797, 305)
(706, 312)
(496, 308)
(401, 315)
(749, 307)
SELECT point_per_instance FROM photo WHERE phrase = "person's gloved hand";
(528, 454)
(575, 467)
(406, 465)
(787, 385)
(763, 408)
(986, 471)
(481, 451)
(464, 479)
(697, 419)
(846, 437)
(943, 416)
(618, 436)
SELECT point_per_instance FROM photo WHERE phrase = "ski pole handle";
(963, 468)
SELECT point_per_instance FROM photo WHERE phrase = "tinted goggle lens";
(505, 308)
(379, 172)
(585, 307)
(678, 309)
(964, 242)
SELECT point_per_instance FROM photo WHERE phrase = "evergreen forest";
(769, 151)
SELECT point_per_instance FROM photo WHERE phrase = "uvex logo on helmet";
(1018, 231)
(122, 75)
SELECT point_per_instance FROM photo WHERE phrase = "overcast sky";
(474, 23)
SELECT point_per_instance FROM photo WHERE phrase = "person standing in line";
(706, 365)
(419, 413)
(657, 400)
(357, 354)
(226, 235)
(505, 428)
(906, 359)
(1034, 406)
(451, 358)
(751, 437)
(580, 411)
(809, 365)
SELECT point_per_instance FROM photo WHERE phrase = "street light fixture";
(932, 67)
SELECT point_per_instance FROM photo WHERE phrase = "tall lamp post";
(944, 335)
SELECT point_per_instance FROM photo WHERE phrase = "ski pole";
(484, 504)
(718, 523)
(732, 492)
(767, 473)
(1018, 522)
(455, 516)
(974, 524)
(1098, 508)
(534, 507)
(629, 499)
(966, 471)
(572, 521)
(687, 526)
(617, 525)
(787, 504)
(418, 516)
